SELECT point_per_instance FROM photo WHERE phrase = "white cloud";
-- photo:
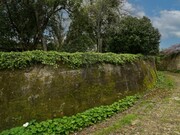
(168, 23)
(176, 33)
(133, 9)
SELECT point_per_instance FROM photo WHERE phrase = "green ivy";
(20, 60)
(67, 125)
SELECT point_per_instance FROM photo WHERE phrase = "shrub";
(134, 35)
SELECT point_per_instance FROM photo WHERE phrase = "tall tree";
(57, 29)
(90, 23)
(29, 19)
(103, 14)
(135, 35)
(6, 34)
(80, 36)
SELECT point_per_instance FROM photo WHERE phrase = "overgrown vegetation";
(135, 35)
(55, 24)
(19, 60)
(168, 59)
(164, 82)
(147, 103)
(66, 125)
(74, 25)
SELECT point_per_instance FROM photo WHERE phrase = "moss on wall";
(42, 92)
(170, 63)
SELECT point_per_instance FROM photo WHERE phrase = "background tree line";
(74, 25)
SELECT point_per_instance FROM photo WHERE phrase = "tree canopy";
(74, 25)
(135, 35)
(28, 19)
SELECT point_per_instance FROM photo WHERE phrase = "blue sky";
(164, 14)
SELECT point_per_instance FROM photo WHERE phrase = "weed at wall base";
(67, 125)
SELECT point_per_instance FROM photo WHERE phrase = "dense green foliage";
(19, 60)
(6, 33)
(80, 36)
(74, 26)
(27, 22)
(134, 35)
(66, 125)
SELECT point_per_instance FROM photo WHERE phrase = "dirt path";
(158, 113)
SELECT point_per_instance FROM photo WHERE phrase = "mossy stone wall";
(42, 92)
(170, 63)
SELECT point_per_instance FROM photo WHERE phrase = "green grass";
(164, 82)
(126, 120)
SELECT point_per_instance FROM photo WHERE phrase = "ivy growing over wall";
(20, 60)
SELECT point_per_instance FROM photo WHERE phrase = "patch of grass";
(147, 105)
(163, 81)
(127, 120)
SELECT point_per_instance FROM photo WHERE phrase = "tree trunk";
(44, 44)
(99, 21)
(100, 45)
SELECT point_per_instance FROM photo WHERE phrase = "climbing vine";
(20, 60)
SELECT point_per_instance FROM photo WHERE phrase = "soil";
(158, 113)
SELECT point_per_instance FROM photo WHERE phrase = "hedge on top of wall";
(20, 60)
